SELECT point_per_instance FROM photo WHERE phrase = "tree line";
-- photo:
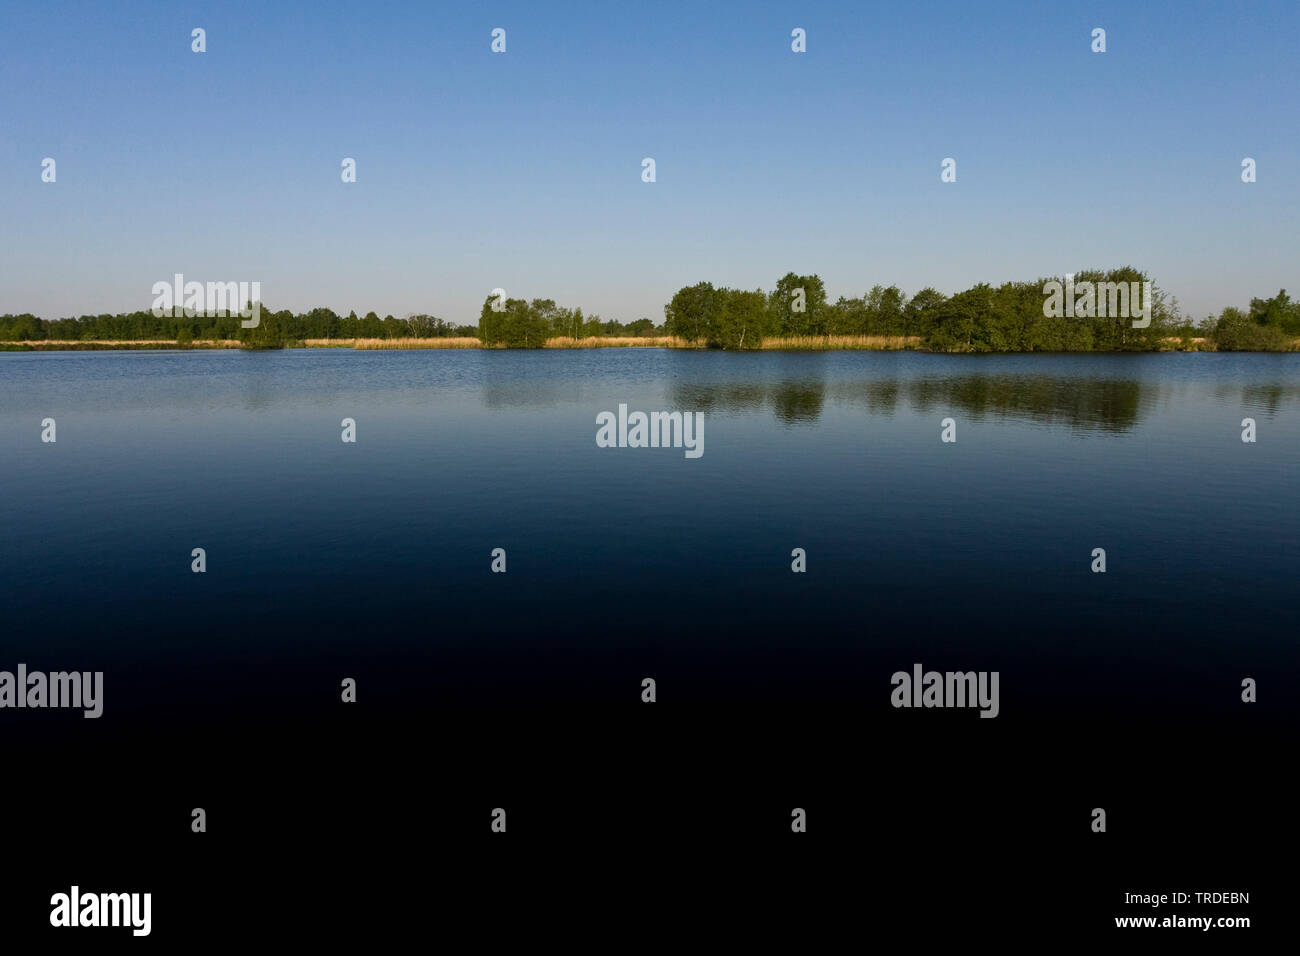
(519, 323)
(282, 326)
(1007, 318)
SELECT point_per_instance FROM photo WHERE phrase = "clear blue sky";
(523, 170)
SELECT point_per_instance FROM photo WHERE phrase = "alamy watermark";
(1086, 300)
(76, 908)
(653, 430)
(75, 689)
(178, 297)
(949, 689)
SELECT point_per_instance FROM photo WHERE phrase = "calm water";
(373, 559)
(477, 690)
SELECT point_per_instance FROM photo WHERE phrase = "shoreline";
(833, 343)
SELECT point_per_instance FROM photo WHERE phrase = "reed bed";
(92, 345)
(617, 341)
(467, 342)
(1175, 343)
(823, 343)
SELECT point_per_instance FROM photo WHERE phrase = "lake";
(632, 562)
(371, 561)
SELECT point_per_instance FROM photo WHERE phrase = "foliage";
(1008, 318)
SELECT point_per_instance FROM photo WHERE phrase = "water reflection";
(1271, 396)
(1076, 401)
(792, 402)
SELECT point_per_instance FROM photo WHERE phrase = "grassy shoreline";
(107, 345)
(823, 343)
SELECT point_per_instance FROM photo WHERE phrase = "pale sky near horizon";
(522, 170)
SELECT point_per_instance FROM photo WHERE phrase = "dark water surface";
(624, 563)
(328, 560)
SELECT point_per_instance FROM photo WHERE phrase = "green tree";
(517, 326)
(268, 333)
(797, 306)
(692, 312)
(740, 320)
(921, 313)
(1278, 312)
(962, 322)
(1239, 331)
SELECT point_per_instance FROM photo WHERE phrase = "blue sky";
(523, 170)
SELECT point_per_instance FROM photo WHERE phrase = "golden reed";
(616, 341)
(822, 343)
